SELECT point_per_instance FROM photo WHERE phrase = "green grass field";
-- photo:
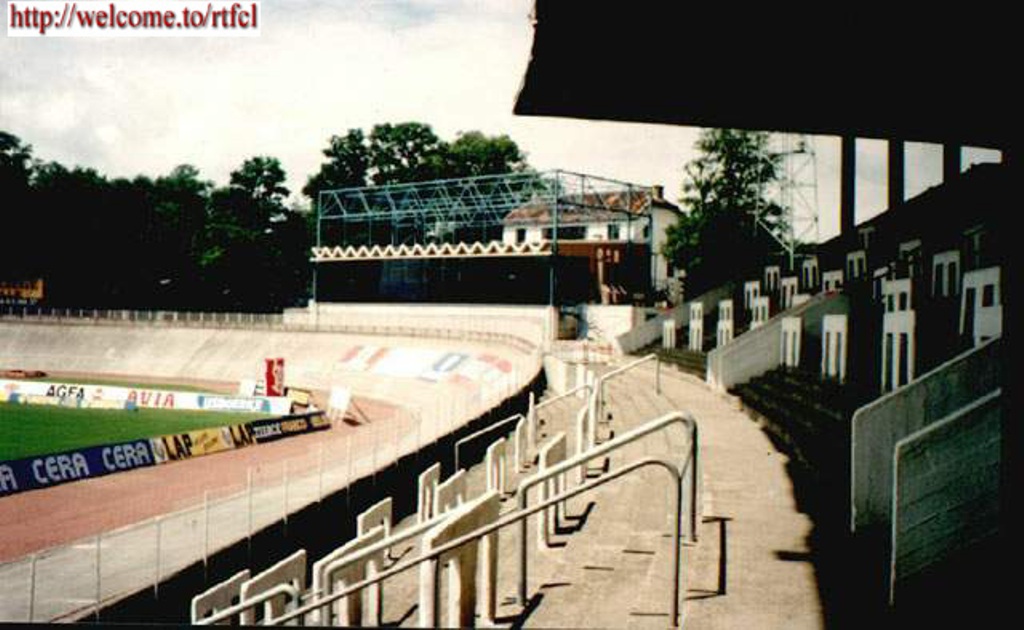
(29, 430)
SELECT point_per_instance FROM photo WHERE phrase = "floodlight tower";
(797, 188)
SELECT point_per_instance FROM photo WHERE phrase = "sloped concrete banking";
(313, 359)
(443, 411)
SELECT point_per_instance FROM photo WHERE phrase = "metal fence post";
(206, 527)
(32, 589)
(376, 438)
(320, 474)
(99, 573)
(248, 483)
(159, 536)
(286, 496)
(348, 460)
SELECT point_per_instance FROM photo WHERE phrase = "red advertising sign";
(275, 377)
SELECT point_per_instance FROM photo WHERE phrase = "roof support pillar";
(896, 172)
(848, 177)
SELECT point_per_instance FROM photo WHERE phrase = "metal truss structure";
(468, 210)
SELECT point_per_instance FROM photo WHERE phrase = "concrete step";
(615, 571)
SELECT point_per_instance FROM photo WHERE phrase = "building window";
(573, 233)
(521, 235)
(903, 300)
(988, 295)
(937, 288)
(613, 231)
(647, 231)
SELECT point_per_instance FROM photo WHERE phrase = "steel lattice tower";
(797, 188)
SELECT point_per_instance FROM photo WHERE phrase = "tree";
(730, 224)
(15, 161)
(474, 154)
(347, 165)
(410, 152)
(254, 250)
(19, 222)
(262, 179)
(405, 152)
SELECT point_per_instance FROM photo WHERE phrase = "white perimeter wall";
(537, 325)
(877, 426)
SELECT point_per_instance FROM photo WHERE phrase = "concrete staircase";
(695, 363)
(613, 566)
(610, 561)
(805, 416)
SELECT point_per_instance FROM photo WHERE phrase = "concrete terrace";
(770, 581)
(609, 564)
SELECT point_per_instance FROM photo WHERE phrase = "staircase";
(805, 416)
(688, 361)
(609, 562)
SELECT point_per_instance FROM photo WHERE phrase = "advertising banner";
(274, 377)
(300, 397)
(278, 405)
(131, 397)
(50, 470)
(276, 428)
(86, 394)
(192, 444)
(21, 293)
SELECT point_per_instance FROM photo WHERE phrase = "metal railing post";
(159, 545)
(320, 474)
(285, 483)
(99, 573)
(206, 527)
(248, 484)
(32, 589)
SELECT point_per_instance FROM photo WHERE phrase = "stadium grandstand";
(532, 425)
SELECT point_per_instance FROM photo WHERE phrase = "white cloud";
(143, 106)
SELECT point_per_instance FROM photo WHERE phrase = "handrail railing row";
(300, 612)
(472, 436)
(520, 514)
(611, 445)
(599, 403)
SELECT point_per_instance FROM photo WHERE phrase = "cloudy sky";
(129, 106)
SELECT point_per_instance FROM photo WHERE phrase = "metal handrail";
(485, 430)
(617, 442)
(362, 554)
(601, 380)
(502, 522)
(516, 416)
(242, 606)
(564, 394)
